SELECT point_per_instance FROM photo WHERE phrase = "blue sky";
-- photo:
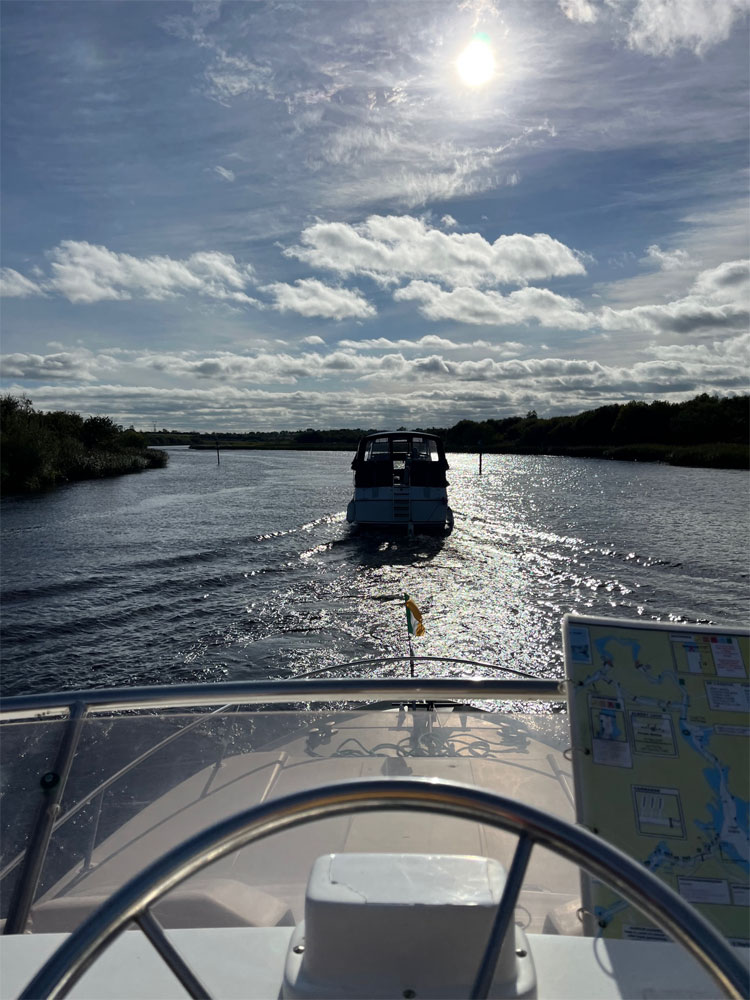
(265, 216)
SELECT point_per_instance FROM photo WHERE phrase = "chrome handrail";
(280, 692)
(416, 659)
(629, 878)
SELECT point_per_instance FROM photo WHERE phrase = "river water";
(248, 569)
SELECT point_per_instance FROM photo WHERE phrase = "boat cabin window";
(417, 449)
(377, 450)
(411, 460)
(424, 451)
(401, 451)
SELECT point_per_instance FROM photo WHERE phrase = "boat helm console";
(387, 836)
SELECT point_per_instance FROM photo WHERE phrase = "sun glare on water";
(476, 64)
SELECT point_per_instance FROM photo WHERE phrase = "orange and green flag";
(413, 617)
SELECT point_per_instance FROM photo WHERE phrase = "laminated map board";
(660, 732)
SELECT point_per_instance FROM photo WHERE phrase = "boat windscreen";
(377, 450)
(424, 450)
(413, 447)
(138, 783)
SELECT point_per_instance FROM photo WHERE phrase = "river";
(248, 569)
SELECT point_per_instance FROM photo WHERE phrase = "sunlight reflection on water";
(250, 570)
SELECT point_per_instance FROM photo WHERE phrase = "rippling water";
(248, 569)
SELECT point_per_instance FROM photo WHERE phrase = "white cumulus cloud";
(667, 260)
(15, 285)
(471, 305)
(84, 272)
(78, 365)
(431, 342)
(718, 301)
(394, 248)
(310, 297)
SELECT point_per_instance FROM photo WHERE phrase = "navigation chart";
(660, 720)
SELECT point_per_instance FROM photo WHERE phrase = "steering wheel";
(630, 879)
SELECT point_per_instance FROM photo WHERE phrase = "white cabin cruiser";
(399, 480)
(376, 837)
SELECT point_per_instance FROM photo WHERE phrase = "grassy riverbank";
(40, 450)
(706, 431)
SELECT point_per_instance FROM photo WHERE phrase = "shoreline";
(719, 455)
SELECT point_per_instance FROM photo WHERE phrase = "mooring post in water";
(218, 456)
(480, 457)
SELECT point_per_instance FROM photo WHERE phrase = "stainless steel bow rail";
(630, 879)
(77, 706)
(281, 692)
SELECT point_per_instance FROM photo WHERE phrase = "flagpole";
(408, 635)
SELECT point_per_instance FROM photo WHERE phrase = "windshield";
(142, 781)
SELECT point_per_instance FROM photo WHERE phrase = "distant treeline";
(343, 439)
(705, 431)
(39, 450)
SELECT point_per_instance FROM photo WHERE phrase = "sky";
(265, 216)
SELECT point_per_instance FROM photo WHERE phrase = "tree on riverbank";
(707, 431)
(39, 450)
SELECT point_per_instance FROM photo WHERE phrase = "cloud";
(710, 237)
(313, 340)
(227, 175)
(720, 353)
(84, 273)
(227, 76)
(449, 222)
(730, 280)
(661, 27)
(272, 368)
(80, 365)
(666, 260)
(15, 285)
(685, 316)
(392, 248)
(390, 390)
(431, 342)
(470, 305)
(349, 145)
(310, 297)
(719, 300)
(227, 367)
(579, 10)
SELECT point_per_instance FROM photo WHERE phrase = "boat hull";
(421, 508)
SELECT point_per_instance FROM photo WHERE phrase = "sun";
(476, 64)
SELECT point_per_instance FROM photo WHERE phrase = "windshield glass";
(142, 782)
(377, 449)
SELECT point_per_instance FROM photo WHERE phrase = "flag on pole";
(413, 617)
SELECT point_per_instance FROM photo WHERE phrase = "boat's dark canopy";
(399, 434)
(413, 458)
